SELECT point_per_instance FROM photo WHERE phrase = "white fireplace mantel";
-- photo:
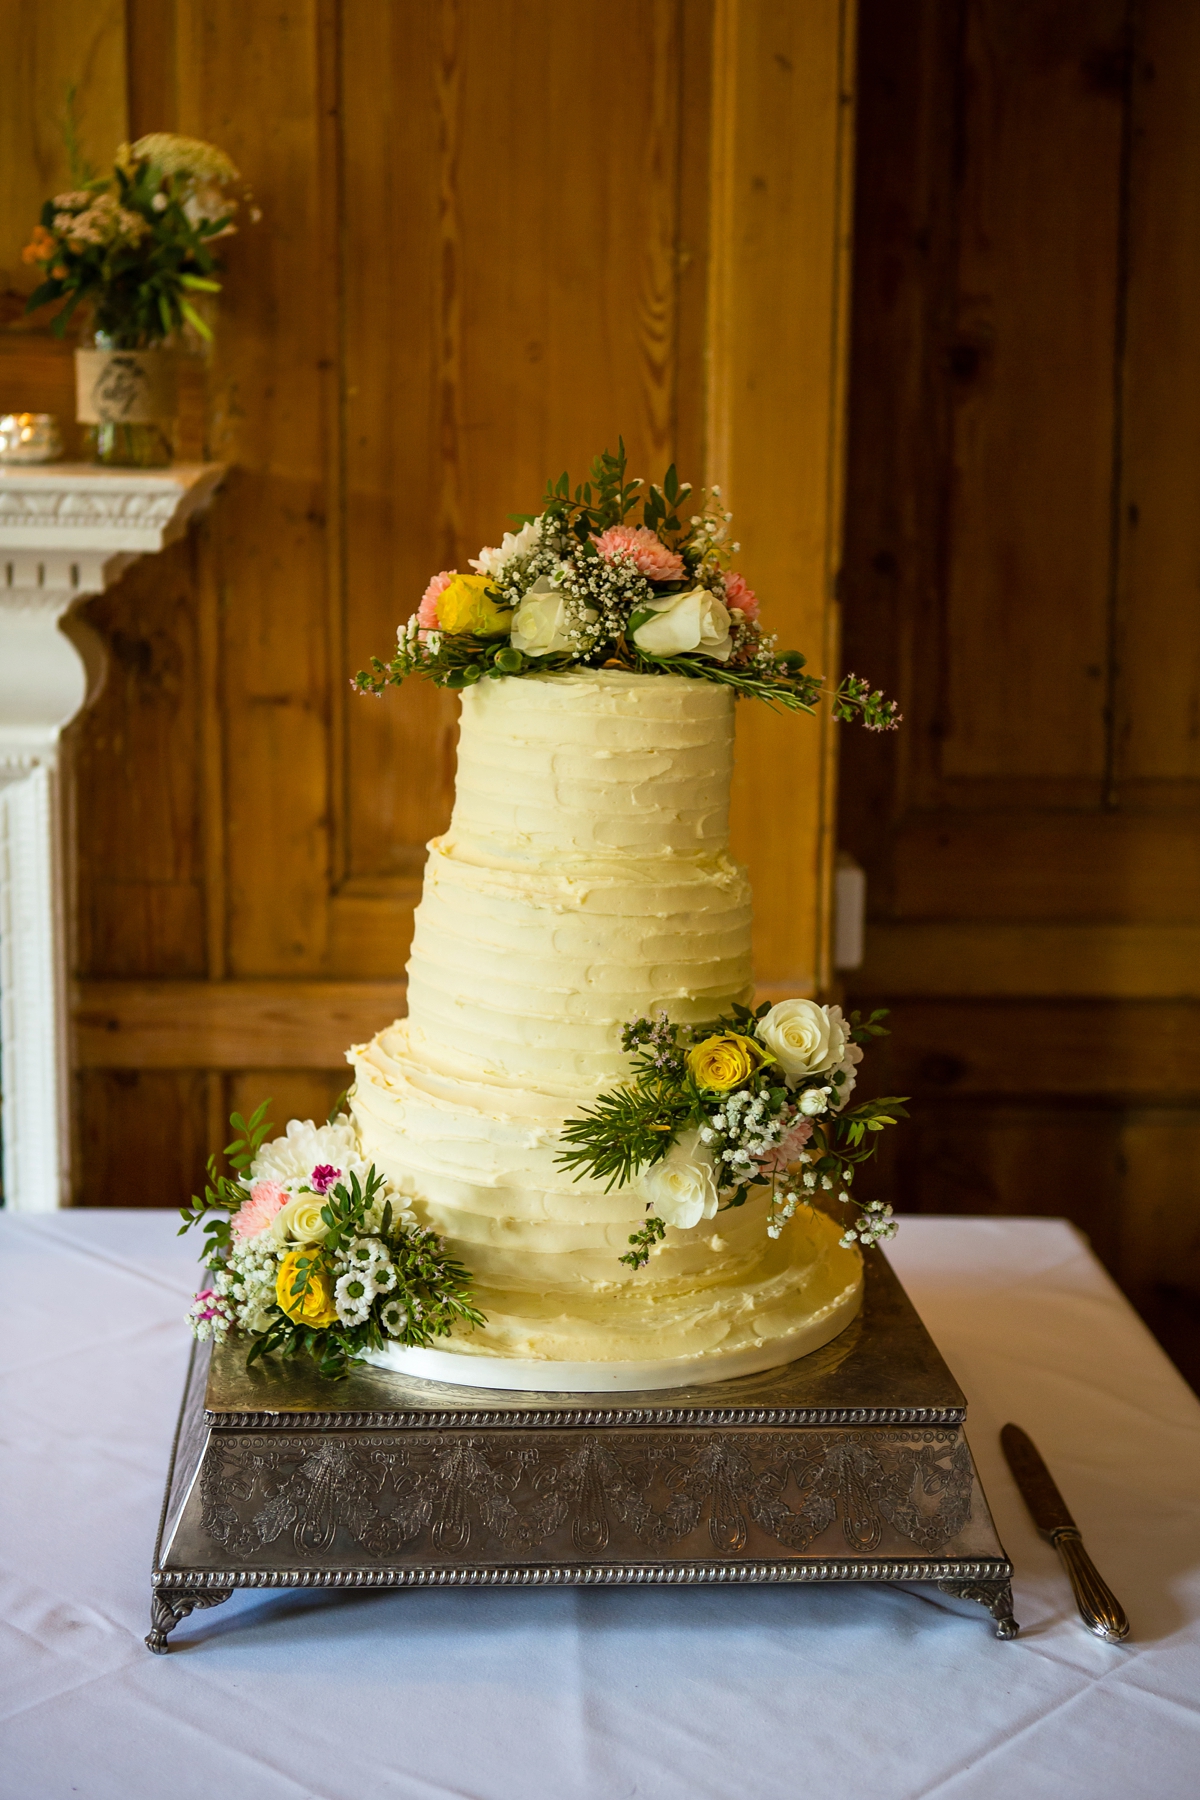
(67, 531)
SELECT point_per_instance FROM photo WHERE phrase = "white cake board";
(542, 1375)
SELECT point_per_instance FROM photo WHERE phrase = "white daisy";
(365, 1254)
(394, 1317)
(383, 1277)
(352, 1295)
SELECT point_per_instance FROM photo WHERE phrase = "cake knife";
(1099, 1607)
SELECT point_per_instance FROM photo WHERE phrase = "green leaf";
(195, 321)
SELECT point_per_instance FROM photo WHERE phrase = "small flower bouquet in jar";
(135, 247)
(311, 1251)
(753, 1101)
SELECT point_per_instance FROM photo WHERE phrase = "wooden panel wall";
(496, 234)
(1023, 564)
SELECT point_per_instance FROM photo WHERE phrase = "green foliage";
(628, 1130)
(222, 1196)
(643, 1241)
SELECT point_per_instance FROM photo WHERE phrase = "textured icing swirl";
(585, 880)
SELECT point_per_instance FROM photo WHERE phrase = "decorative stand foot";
(995, 1595)
(169, 1605)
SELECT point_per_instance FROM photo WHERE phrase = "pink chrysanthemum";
(739, 593)
(427, 611)
(787, 1150)
(650, 555)
(256, 1213)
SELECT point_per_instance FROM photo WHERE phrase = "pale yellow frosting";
(585, 880)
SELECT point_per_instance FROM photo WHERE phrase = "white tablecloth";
(769, 1693)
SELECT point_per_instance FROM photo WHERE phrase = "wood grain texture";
(1126, 1052)
(782, 139)
(1033, 356)
(1157, 696)
(228, 1024)
(48, 48)
(139, 870)
(268, 380)
(1022, 552)
(494, 334)
(1068, 961)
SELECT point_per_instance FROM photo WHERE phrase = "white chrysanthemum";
(515, 544)
(352, 1296)
(394, 1317)
(365, 1254)
(291, 1159)
(383, 1276)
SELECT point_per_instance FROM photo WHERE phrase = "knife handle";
(1099, 1607)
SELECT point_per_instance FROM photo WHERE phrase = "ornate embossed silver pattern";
(781, 1478)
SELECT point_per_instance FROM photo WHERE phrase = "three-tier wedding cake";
(585, 880)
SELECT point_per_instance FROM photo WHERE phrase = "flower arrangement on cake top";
(756, 1099)
(585, 583)
(310, 1250)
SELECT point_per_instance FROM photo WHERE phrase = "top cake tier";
(591, 765)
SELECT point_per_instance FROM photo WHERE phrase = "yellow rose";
(467, 605)
(724, 1061)
(313, 1307)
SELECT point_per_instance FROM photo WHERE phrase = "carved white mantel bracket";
(67, 531)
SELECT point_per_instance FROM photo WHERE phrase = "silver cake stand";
(848, 1465)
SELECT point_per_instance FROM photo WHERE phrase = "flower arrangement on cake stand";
(314, 1449)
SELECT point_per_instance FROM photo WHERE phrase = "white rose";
(682, 1189)
(804, 1038)
(696, 621)
(300, 1221)
(540, 624)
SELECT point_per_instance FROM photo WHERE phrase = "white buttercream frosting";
(585, 880)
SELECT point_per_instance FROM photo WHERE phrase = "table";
(664, 1694)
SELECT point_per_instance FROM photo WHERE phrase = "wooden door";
(496, 234)
(1024, 548)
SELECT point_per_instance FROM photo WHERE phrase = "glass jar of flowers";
(136, 249)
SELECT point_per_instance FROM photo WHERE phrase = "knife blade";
(1099, 1607)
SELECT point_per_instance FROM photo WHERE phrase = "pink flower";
(649, 553)
(427, 611)
(787, 1150)
(256, 1213)
(323, 1178)
(739, 593)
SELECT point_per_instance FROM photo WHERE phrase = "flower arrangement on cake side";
(580, 586)
(755, 1099)
(312, 1251)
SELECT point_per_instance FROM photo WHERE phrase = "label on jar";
(124, 387)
